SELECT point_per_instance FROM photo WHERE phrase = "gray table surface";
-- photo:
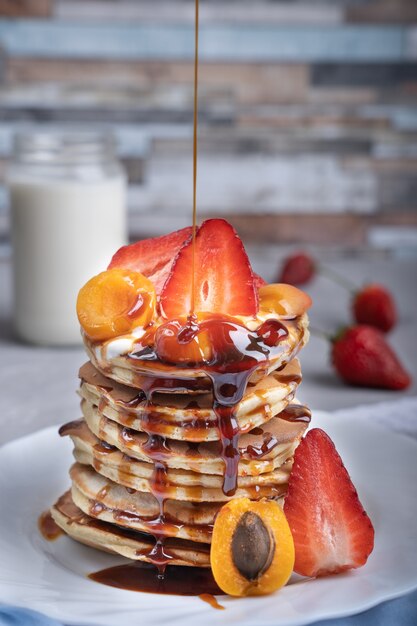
(37, 385)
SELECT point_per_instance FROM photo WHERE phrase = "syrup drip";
(124, 404)
(157, 449)
(104, 448)
(268, 444)
(136, 401)
(229, 436)
(211, 600)
(127, 436)
(296, 413)
(73, 428)
(97, 506)
(287, 379)
(182, 581)
(159, 555)
(272, 333)
(136, 307)
(48, 528)
(292, 413)
(105, 388)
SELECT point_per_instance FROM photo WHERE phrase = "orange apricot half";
(183, 341)
(252, 549)
(114, 302)
(283, 299)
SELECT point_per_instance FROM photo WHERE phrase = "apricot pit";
(252, 550)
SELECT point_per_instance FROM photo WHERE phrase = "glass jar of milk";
(68, 216)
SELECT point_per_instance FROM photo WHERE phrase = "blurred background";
(308, 110)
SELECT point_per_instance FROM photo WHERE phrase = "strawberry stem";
(337, 278)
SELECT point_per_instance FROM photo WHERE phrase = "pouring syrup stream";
(195, 145)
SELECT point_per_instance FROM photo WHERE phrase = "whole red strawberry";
(374, 305)
(362, 357)
(331, 530)
(298, 269)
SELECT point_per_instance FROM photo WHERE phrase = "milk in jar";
(68, 216)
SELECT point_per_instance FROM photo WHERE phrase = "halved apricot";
(252, 549)
(184, 341)
(114, 302)
(283, 299)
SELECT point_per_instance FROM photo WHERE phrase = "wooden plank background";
(308, 112)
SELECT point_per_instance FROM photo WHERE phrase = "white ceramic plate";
(51, 576)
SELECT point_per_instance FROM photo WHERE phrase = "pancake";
(126, 542)
(176, 416)
(260, 450)
(182, 485)
(115, 360)
(103, 499)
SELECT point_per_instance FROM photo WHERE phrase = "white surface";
(399, 416)
(64, 232)
(50, 576)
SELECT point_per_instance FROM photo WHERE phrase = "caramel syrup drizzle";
(195, 145)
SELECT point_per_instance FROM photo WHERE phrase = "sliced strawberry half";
(224, 281)
(152, 257)
(331, 530)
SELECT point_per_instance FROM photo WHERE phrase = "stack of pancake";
(150, 449)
